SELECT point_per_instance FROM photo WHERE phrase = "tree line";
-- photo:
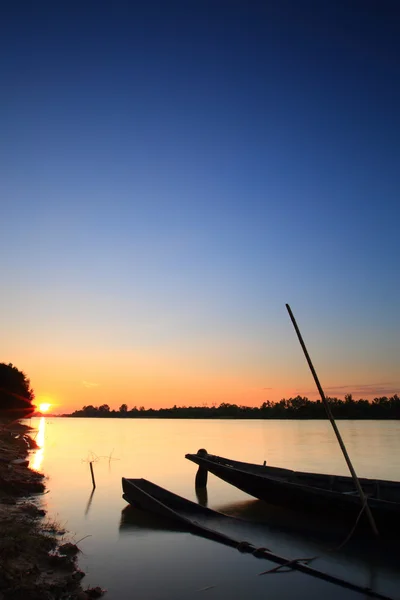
(292, 408)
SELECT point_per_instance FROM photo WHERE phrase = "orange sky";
(166, 192)
(238, 373)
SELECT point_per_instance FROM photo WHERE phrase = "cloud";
(268, 388)
(90, 384)
(359, 389)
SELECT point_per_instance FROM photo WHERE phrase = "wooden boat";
(145, 495)
(148, 496)
(326, 494)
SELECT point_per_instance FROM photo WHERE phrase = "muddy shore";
(37, 560)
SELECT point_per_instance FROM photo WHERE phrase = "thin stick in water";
(91, 471)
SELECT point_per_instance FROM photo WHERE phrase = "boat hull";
(283, 487)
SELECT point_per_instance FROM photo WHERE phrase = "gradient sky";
(173, 172)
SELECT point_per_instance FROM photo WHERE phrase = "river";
(142, 558)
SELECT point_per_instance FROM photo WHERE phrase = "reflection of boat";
(189, 516)
(134, 519)
(312, 535)
(328, 494)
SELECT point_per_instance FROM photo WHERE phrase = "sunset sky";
(172, 173)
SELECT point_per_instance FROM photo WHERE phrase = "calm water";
(135, 556)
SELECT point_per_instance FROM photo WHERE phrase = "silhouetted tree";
(16, 395)
(123, 408)
(89, 411)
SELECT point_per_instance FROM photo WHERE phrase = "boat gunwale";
(159, 494)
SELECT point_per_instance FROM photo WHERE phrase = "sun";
(44, 407)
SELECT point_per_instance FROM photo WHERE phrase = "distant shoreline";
(176, 418)
(298, 408)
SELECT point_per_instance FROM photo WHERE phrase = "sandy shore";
(37, 562)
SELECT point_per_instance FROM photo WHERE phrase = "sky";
(172, 173)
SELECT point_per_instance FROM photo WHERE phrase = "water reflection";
(179, 562)
(134, 519)
(283, 519)
(89, 504)
(366, 565)
(284, 527)
(38, 456)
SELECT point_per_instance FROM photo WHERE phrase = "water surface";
(134, 555)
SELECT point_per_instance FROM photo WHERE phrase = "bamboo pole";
(335, 429)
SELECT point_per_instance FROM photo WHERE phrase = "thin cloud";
(90, 384)
(268, 388)
(369, 389)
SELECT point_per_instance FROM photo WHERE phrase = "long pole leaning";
(335, 429)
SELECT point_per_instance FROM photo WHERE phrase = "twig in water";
(84, 538)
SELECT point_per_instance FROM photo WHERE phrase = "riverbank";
(37, 562)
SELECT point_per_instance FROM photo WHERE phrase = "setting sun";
(44, 407)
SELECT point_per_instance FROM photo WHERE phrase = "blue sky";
(173, 172)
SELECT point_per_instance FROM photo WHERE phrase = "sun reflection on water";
(38, 456)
